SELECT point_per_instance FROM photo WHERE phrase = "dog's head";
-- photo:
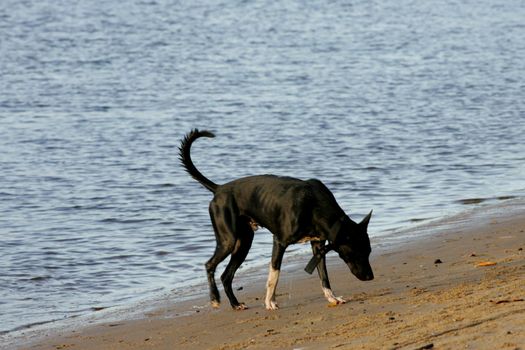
(353, 246)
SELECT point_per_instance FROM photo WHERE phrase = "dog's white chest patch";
(254, 225)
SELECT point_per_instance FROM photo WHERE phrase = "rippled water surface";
(414, 109)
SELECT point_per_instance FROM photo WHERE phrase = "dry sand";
(415, 301)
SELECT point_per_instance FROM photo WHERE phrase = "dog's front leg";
(323, 275)
(273, 276)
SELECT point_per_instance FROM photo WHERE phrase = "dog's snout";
(365, 276)
(363, 273)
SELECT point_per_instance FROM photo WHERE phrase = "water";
(413, 109)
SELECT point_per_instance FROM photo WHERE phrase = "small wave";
(505, 198)
(469, 201)
(84, 207)
(162, 253)
(120, 257)
(28, 326)
(40, 278)
(126, 221)
(418, 219)
(165, 185)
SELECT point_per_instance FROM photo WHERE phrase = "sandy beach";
(460, 286)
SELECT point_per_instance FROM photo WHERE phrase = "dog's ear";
(366, 220)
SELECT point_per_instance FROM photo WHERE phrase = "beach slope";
(460, 286)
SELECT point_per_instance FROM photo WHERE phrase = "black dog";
(293, 210)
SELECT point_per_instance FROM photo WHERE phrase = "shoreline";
(384, 239)
(403, 271)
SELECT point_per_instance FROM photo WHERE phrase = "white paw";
(241, 306)
(272, 305)
(215, 304)
(336, 300)
(332, 299)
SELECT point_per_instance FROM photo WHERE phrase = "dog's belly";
(307, 239)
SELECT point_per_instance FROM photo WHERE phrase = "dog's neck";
(336, 227)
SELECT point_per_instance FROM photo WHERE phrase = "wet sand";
(431, 292)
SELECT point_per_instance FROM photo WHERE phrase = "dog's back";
(287, 206)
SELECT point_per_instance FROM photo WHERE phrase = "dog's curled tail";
(185, 158)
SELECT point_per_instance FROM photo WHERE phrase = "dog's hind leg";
(242, 246)
(323, 275)
(273, 275)
(221, 252)
(225, 240)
